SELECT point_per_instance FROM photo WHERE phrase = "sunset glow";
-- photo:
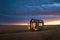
(46, 23)
(20, 24)
(53, 23)
(23, 24)
(20, 12)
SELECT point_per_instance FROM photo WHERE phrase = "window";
(40, 24)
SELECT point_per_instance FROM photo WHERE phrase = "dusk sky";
(21, 11)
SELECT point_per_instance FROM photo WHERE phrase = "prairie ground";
(17, 32)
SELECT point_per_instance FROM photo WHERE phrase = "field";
(17, 32)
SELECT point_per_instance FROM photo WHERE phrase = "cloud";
(43, 7)
(23, 17)
(29, 7)
(22, 10)
(51, 5)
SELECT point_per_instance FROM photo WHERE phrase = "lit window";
(40, 24)
(33, 25)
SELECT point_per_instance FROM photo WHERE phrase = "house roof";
(36, 20)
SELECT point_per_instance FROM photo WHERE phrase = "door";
(32, 25)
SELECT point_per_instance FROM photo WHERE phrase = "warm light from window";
(40, 24)
(33, 25)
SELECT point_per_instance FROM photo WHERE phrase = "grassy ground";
(19, 33)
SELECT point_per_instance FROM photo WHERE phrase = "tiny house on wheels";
(36, 24)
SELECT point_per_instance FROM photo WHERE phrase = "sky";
(21, 11)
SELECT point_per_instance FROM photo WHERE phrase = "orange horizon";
(51, 21)
(46, 23)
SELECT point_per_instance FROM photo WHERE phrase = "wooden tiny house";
(36, 24)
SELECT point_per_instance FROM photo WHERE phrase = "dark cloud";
(20, 7)
(21, 10)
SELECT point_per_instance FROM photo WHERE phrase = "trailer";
(36, 24)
